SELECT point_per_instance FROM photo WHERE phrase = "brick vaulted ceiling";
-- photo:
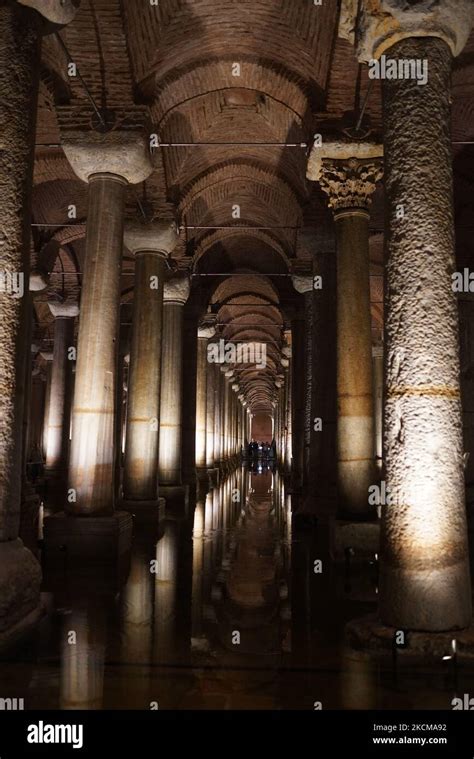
(201, 72)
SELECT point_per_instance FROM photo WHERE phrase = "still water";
(223, 610)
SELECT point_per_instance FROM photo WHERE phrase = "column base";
(362, 539)
(152, 513)
(177, 498)
(369, 634)
(85, 542)
(20, 580)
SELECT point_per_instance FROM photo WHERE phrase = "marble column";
(205, 331)
(424, 571)
(304, 285)
(61, 386)
(175, 295)
(20, 63)
(150, 244)
(108, 163)
(349, 183)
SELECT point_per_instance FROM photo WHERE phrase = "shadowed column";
(20, 65)
(175, 295)
(150, 244)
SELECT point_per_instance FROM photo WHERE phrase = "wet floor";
(235, 606)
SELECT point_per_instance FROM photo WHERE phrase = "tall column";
(20, 64)
(349, 182)
(61, 385)
(377, 364)
(217, 414)
(150, 244)
(222, 413)
(48, 359)
(424, 581)
(175, 295)
(108, 163)
(297, 399)
(205, 331)
(303, 348)
(210, 415)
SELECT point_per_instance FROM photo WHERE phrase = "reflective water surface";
(234, 606)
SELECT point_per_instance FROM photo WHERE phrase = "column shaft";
(171, 406)
(355, 428)
(60, 397)
(425, 581)
(91, 466)
(201, 399)
(140, 476)
(19, 64)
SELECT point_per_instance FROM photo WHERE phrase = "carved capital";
(120, 153)
(302, 284)
(350, 183)
(63, 310)
(382, 23)
(155, 237)
(176, 290)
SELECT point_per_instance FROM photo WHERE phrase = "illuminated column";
(20, 65)
(302, 381)
(210, 414)
(48, 359)
(205, 331)
(108, 163)
(217, 415)
(349, 181)
(60, 390)
(377, 363)
(222, 411)
(175, 295)
(424, 582)
(150, 244)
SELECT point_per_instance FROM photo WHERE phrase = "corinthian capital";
(350, 183)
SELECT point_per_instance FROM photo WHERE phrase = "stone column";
(205, 331)
(298, 328)
(210, 415)
(222, 414)
(424, 581)
(48, 359)
(150, 244)
(60, 392)
(304, 285)
(20, 64)
(377, 364)
(217, 414)
(108, 163)
(349, 182)
(175, 295)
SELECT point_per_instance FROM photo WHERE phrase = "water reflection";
(223, 611)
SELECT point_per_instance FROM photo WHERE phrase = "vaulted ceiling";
(234, 93)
